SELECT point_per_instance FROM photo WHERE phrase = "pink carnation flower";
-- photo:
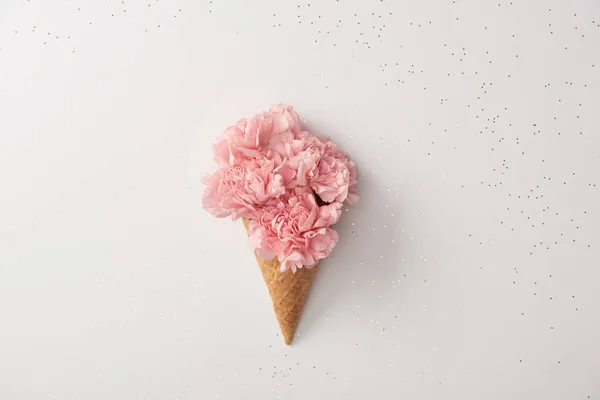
(335, 178)
(332, 180)
(249, 137)
(295, 230)
(301, 158)
(238, 190)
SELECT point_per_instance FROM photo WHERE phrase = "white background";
(469, 270)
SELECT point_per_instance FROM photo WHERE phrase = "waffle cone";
(288, 291)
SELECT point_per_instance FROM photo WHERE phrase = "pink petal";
(264, 131)
(280, 123)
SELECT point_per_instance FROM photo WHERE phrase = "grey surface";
(468, 271)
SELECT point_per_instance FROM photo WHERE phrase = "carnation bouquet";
(288, 187)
